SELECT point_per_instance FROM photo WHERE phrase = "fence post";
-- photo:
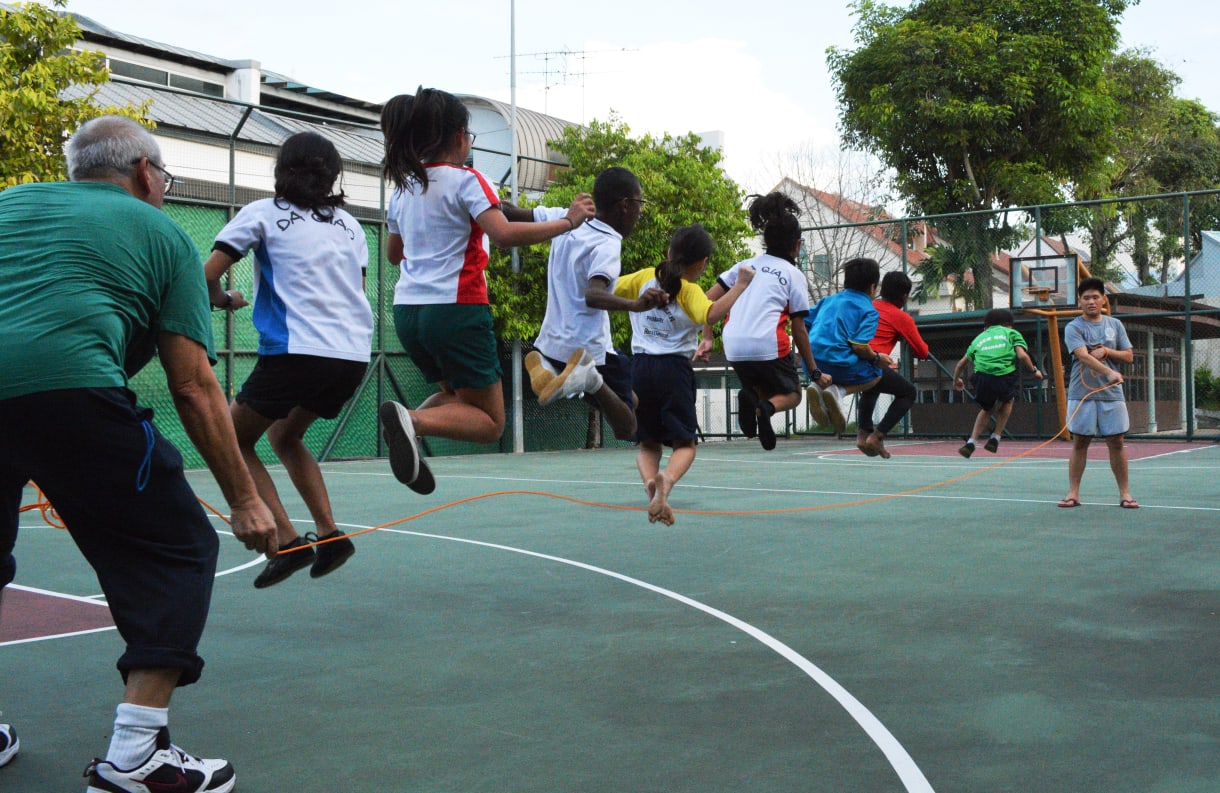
(1188, 395)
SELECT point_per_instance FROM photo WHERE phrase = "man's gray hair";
(107, 147)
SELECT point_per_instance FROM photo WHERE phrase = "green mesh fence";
(355, 433)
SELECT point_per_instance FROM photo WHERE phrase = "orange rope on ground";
(48, 511)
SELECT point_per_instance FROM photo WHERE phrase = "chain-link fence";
(1160, 258)
(224, 151)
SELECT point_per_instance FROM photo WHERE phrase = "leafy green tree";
(37, 67)
(682, 182)
(980, 104)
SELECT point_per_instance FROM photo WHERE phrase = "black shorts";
(119, 487)
(280, 383)
(665, 385)
(616, 372)
(990, 389)
(768, 378)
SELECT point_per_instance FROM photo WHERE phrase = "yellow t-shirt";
(666, 330)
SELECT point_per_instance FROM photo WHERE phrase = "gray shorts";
(1098, 417)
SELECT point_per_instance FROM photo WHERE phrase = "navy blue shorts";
(990, 389)
(665, 385)
(768, 378)
(119, 487)
(280, 383)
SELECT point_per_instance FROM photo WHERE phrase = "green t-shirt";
(88, 276)
(994, 351)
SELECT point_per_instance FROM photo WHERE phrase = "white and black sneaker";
(9, 744)
(167, 768)
(405, 460)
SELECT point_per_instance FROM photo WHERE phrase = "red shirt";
(894, 324)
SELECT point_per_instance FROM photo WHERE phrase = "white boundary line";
(902, 763)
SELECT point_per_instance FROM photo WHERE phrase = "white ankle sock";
(135, 734)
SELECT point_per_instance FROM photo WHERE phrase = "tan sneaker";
(540, 372)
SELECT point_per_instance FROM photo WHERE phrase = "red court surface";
(30, 614)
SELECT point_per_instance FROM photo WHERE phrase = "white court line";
(853, 494)
(1170, 454)
(899, 759)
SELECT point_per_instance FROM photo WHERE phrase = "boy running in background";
(994, 353)
(664, 339)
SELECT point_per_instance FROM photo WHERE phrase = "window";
(149, 74)
(821, 266)
(198, 86)
(137, 72)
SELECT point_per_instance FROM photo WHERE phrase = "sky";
(755, 71)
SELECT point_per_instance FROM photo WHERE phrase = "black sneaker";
(966, 450)
(992, 445)
(405, 460)
(766, 433)
(747, 404)
(167, 768)
(331, 554)
(9, 744)
(283, 564)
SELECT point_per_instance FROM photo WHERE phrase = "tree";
(834, 187)
(683, 184)
(37, 67)
(980, 104)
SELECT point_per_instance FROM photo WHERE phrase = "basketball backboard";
(1042, 281)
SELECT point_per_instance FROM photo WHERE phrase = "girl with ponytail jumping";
(664, 340)
(438, 216)
(756, 338)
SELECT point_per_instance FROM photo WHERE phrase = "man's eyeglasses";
(472, 136)
(169, 178)
(639, 201)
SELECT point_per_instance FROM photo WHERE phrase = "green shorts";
(454, 344)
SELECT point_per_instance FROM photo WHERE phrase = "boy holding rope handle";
(1095, 403)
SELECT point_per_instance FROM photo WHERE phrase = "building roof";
(1204, 270)
(187, 112)
(534, 132)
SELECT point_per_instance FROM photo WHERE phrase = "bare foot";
(658, 505)
(650, 489)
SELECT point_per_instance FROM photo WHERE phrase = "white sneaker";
(834, 410)
(167, 768)
(580, 376)
(405, 460)
(815, 402)
(9, 744)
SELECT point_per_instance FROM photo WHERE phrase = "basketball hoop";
(1041, 293)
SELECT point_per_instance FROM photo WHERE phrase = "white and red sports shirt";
(757, 327)
(444, 248)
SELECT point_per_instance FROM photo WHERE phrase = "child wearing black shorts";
(315, 330)
(663, 341)
(994, 353)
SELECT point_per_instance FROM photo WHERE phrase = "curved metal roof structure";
(537, 161)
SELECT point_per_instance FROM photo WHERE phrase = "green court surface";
(814, 621)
